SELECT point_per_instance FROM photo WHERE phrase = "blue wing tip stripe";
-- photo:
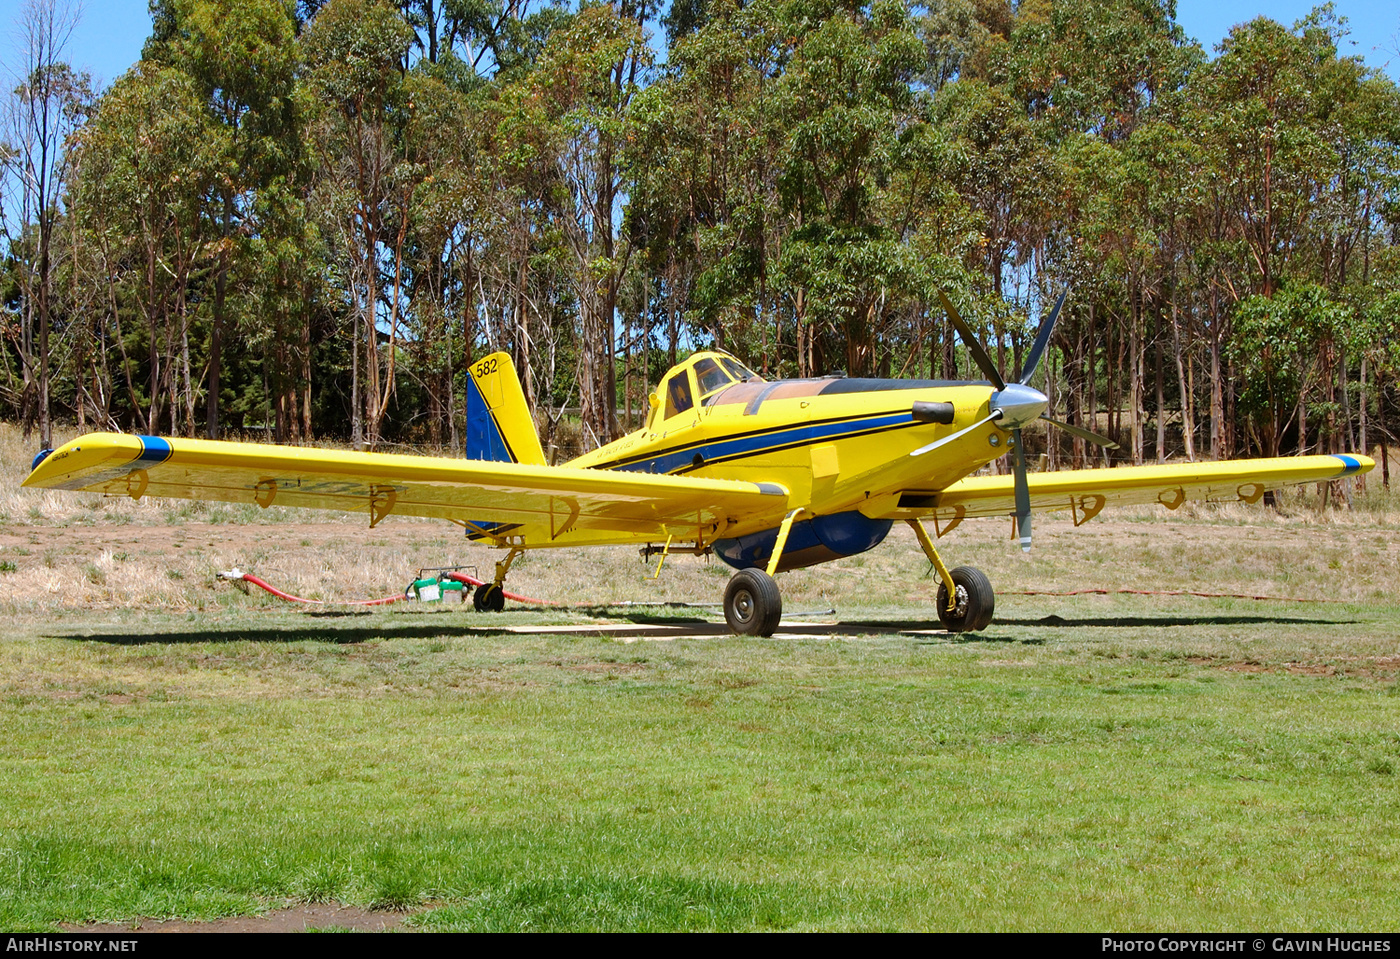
(153, 449)
(1353, 465)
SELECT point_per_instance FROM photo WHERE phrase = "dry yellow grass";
(64, 551)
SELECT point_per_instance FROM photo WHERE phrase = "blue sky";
(110, 34)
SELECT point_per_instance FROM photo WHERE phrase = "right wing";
(1085, 492)
(507, 503)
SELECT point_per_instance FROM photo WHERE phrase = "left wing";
(522, 504)
(1085, 492)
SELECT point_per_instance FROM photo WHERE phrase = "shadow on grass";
(340, 628)
(1116, 621)
(292, 634)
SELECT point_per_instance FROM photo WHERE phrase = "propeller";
(979, 355)
(1014, 405)
(1081, 432)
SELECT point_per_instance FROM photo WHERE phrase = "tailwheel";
(974, 601)
(489, 598)
(752, 603)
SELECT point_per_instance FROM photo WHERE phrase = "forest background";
(305, 220)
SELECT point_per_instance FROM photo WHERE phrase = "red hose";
(459, 577)
(250, 578)
(473, 581)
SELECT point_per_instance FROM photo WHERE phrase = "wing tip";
(68, 466)
(1353, 463)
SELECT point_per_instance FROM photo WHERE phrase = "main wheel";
(752, 603)
(974, 605)
(489, 598)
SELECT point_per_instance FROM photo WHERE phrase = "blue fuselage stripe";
(720, 450)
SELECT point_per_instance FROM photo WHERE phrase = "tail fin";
(499, 425)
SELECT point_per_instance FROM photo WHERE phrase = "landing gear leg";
(965, 597)
(491, 597)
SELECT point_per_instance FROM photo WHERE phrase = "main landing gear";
(752, 603)
(965, 597)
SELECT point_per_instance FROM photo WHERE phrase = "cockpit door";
(677, 409)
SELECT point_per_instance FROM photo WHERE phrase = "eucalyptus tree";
(956, 36)
(242, 56)
(573, 107)
(1269, 156)
(456, 207)
(354, 57)
(1299, 147)
(762, 166)
(1010, 178)
(49, 101)
(842, 101)
(1090, 77)
(147, 162)
(703, 167)
(1280, 345)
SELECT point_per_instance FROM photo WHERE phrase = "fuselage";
(838, 445)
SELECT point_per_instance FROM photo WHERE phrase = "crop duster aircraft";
(767, 475)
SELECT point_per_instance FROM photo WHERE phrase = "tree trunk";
(1217, 391)
(1188, 425)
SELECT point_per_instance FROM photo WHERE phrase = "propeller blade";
(1042, 340)
(996, 415)
(1023, 496)
(979, 355)
(1082, 433)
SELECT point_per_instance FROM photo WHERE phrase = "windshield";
(738, 370)
(710, 376)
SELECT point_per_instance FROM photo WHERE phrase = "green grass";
(173, 747)
(1090, 763)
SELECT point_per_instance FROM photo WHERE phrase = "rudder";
(499, 425)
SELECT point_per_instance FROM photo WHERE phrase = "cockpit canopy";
(703, 376)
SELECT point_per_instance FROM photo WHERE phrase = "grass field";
(172, 747)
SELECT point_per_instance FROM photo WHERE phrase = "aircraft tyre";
(489, 598)
(976, 601)
(752, 603)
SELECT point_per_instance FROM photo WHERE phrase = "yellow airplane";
(767, 475)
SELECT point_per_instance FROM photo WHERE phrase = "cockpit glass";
(710, 377)
(738, 370)
(678, 398)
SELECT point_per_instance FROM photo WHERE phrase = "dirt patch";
(1361, 667)
(607, 667)
(294, 919)
(1310, 669)
(1297, 669)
